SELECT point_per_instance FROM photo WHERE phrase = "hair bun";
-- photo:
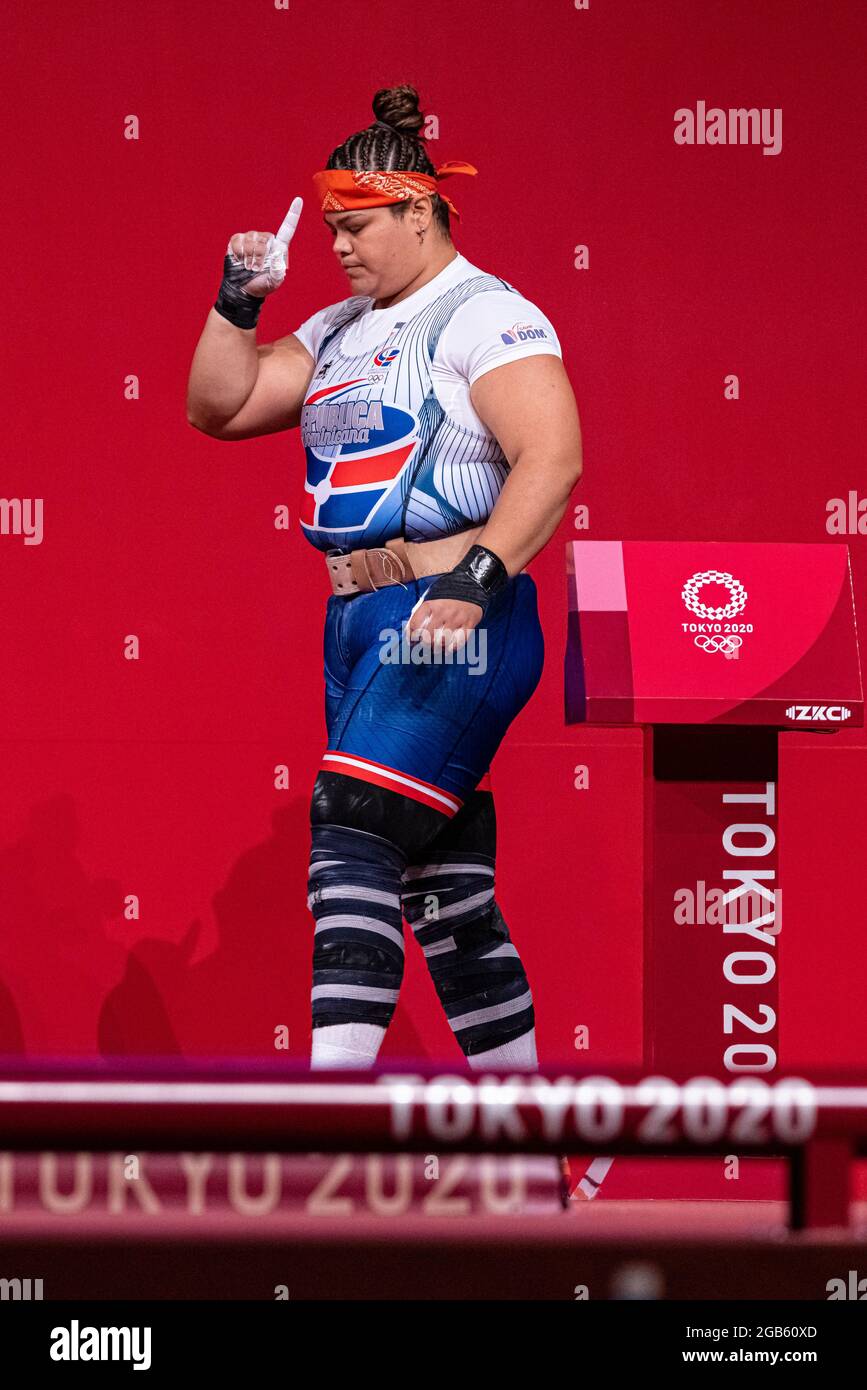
(398, 108)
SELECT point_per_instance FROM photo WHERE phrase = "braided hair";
(392, 142)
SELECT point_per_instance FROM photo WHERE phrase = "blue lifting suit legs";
(400, 826)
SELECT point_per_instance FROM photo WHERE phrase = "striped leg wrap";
(354, 895)
(475, 968)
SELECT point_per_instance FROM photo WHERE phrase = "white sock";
(519, 1052)
(346, 1045)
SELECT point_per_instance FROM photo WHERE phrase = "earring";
(420, 235)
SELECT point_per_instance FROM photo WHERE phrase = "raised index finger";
(290, 222)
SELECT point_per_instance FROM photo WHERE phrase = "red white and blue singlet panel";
(393, 446)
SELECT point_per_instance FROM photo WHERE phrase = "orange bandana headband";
(344, 190)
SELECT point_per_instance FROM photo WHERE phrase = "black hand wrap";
(475, 579)
(232, 301)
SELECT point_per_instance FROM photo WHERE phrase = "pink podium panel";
(712, 632)
(717, 649)
(713, 910)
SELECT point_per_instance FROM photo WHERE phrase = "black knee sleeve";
(349, 801)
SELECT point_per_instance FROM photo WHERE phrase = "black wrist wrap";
(474, 579)
(232, 301)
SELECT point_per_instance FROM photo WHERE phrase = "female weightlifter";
(442, 442)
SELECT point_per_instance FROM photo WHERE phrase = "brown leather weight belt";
(397, 562)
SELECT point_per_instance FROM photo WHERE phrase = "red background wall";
(155, 777)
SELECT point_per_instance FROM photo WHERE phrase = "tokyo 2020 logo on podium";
(717, 633)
